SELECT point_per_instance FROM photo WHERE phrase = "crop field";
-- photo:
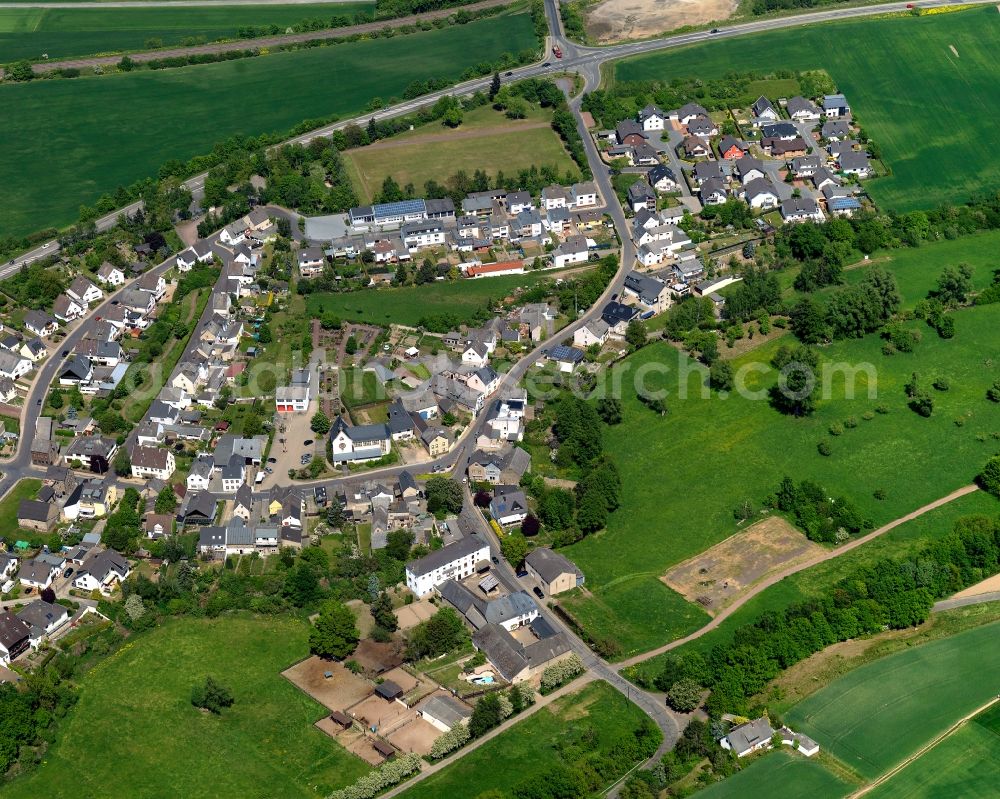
(532, 748)
(66, 32)
(56, 167)
(485, 140)
(135, 726)
(964, 764)
(877, 715)
(409, 304)
(779, 773)
(674, 504)
(905, 77)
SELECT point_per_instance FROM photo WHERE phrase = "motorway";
(584, 60)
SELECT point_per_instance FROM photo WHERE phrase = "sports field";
(485, 140)
(876, 716)
(779, 774)
(550, 740)
(926, 104)
(146, 118)
(65, 32)
(409, 304)
(675, 505)
(134, 731)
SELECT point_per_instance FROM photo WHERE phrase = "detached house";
(311, 261)
(66, 309)
(763, 112)
(555, 572)
(15, 637)
(41, 324)
(152, 463)
(652, 118)
(803, 110)
(509, 505)
(13, 365)
(84, 292)
(801, 209)
(453, 562)
(761, 193)
(573, 250)
(110, 275)
(103, 572)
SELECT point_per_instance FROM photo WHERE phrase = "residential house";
(696, 147)
(152, 463)
(649, 292)
(555, 197)
(687, 112)
(554, 571)
(702, 127)
(8, 389)
(732, 149)
(137, 300)
(836, 130)
(652, 118)
(584, 194)
(110, 275)
(835, 106)
(763, 112)
(749, 168)
(617, 317)
(499, 468)
(566, 358)
(93, 452)
(750, 737)
(662, 178)
(801, 209)
(822, 178)
(66, 309)
(91, 499)
(594, 332)
(311, 261)
(15, 637)
(806, 165)
(34, 350)
(713, 192)
(13, 365)
(83, 291)
(198, 509)
(515, 661)
(784, 148)
(40, 324)
(76, 370)
(851, 163)
(454, 561)
(33, 514)
(40, 571)
(103, 572)
(802, 110)
(573, 250)
(707, 170)
(641, 195)
(44, 618)
(628, 132)
(509, 611)
(509, 505)
(761, 194)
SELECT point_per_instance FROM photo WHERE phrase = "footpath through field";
(779, 576)
(246, 44)
(923, 750)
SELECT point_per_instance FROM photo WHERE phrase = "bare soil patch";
(338, 692)
(409, 616)
(614, 20)
(415, 736)
(987, 586)
(726, 571)
(384, 715)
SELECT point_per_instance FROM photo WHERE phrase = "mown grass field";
(25, 489)
(485, 140)
(409, 304)
(138, 734)
(685, 473)
(925, 106)
(65, 32)
(779, 773)
(964, 764)
(56, 167)
(876, 716)
(531, 748)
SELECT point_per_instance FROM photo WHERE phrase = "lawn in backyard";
(66, 32)
(877, 715)
(781, 773)
(409, 304)
(965, 764)
(485, 140)
(54, 168)
(134, 725)
(894, 71)
(532, 747)
(24, 489)
(676, 501)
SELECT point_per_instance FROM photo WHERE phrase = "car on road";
(272, 460)
(522, 573)
(46, 245)
(65, 353)
(496, 560)
(714, 30)
(114, 302)
(38, 403)
(547, 64)
(67, 573)
(538, 592)
(505, 74)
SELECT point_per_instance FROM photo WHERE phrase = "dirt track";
(266, 41)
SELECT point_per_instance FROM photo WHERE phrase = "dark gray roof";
(446, 709)
(549, 564)
(41, 613)
(33, 510)
(441, 557)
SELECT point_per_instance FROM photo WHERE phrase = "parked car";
(67, 573)
(538, 592)
(307, 443)
(496, 560)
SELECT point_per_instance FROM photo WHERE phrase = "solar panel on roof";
(400, 208)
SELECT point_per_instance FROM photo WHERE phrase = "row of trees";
(890, 593)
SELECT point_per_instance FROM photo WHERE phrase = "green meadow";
(683, 474)
(67, 32)
(68, 154)
(134, 731)
(924, 88)
(795, 775)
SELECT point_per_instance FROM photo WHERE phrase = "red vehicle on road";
(556, 51)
